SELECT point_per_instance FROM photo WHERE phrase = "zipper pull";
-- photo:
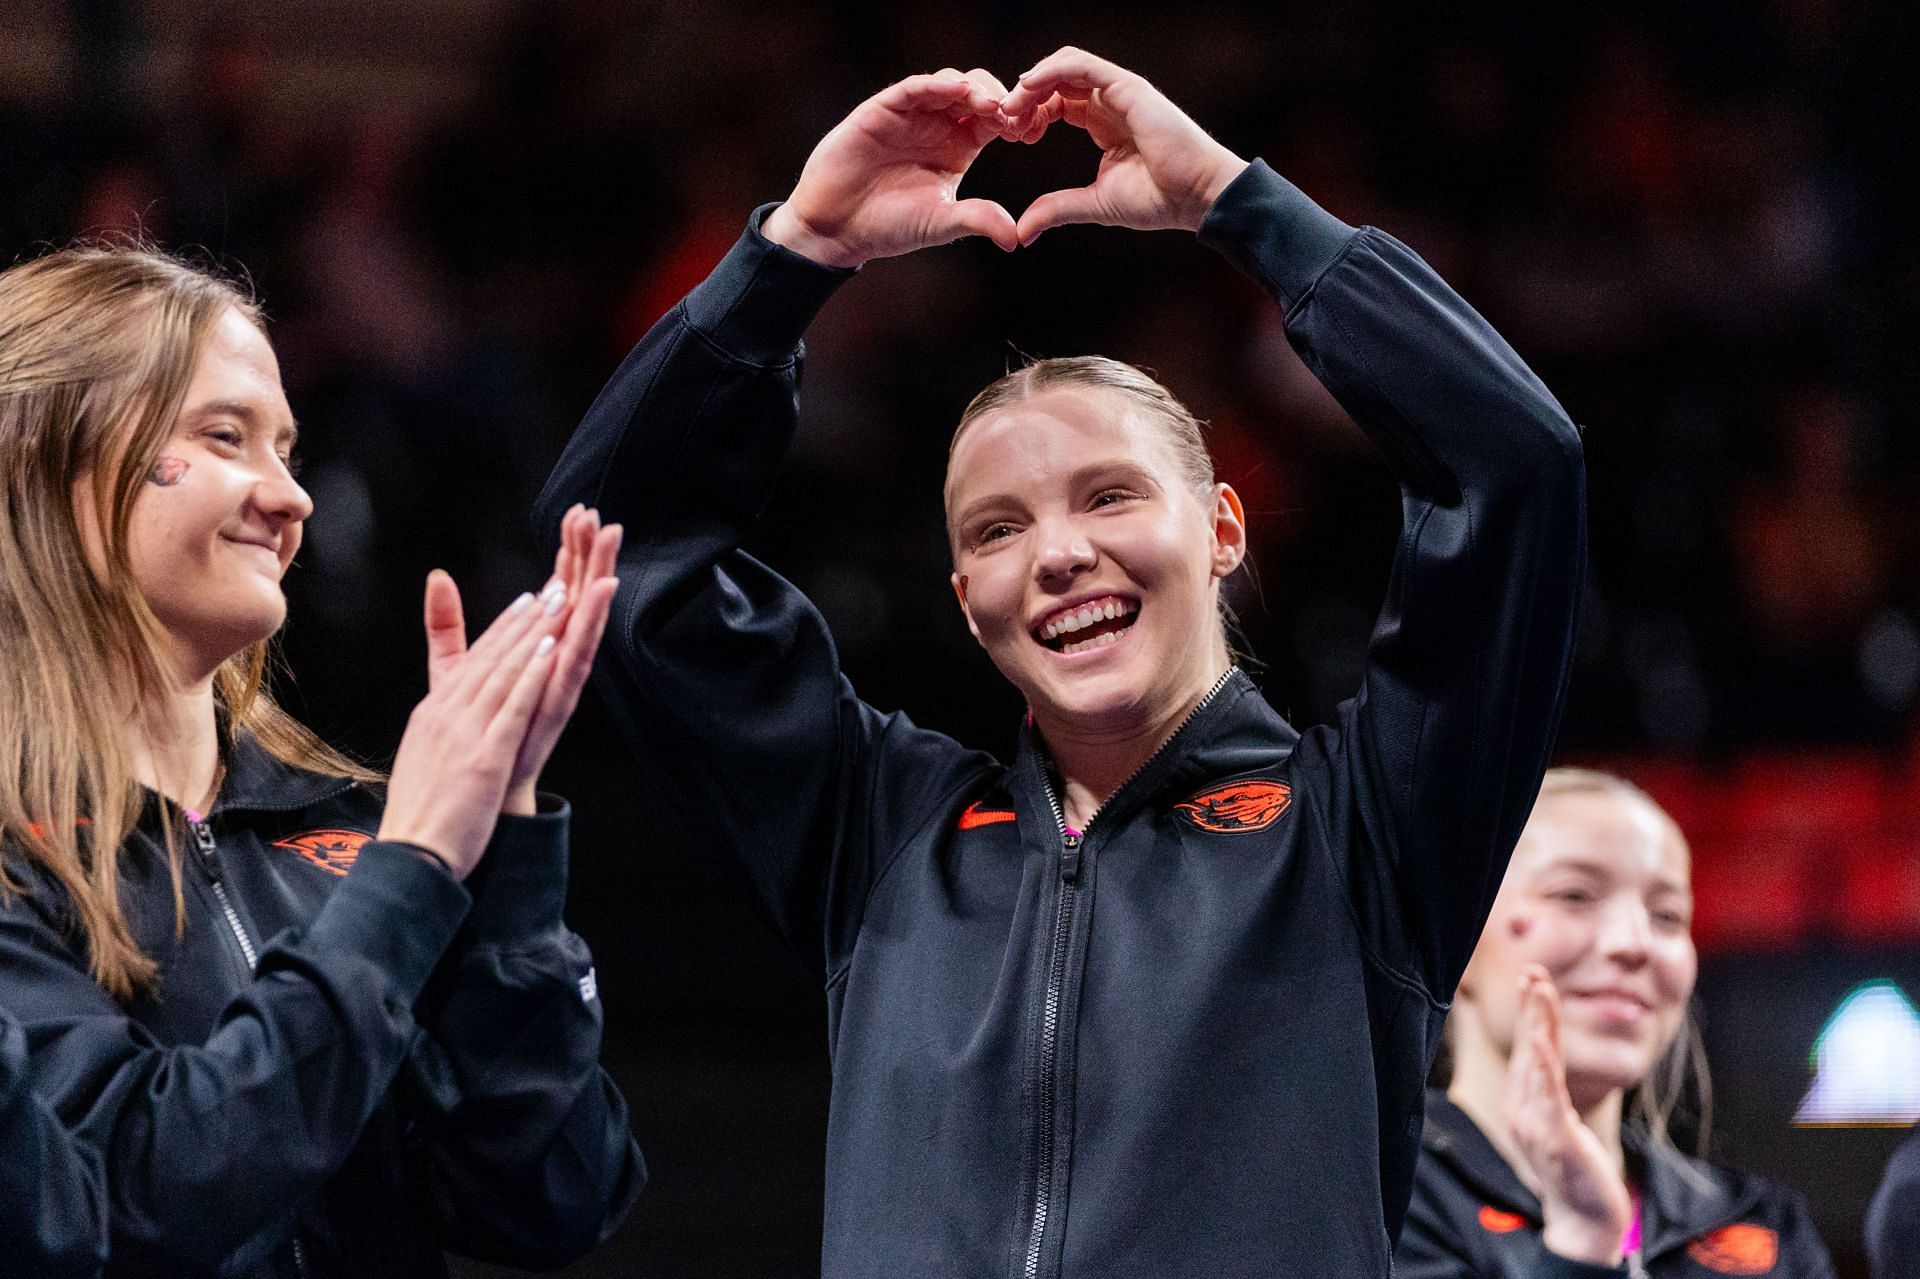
(203, 843)
(1070, 858)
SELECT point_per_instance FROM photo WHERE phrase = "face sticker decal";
(167, 471)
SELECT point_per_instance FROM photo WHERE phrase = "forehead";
(1615, 831)
(237, 366)
(1052, 435)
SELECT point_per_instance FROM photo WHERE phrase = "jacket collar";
(1681, 1198)
(257, 782)
(1232, 730)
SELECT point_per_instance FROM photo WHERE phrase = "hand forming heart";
(885, 181)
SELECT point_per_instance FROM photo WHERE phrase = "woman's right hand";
(885, 180)
(454, 762)
(1583, 1196)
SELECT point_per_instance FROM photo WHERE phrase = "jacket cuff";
(1273, 231)
(520, 886)
(396, 908)
(761, 298)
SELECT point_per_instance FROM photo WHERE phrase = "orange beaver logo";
(1237, 807)
(333, 851)
(1741, 1249)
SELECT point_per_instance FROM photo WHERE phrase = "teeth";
(1084, 617)
(1098, 641)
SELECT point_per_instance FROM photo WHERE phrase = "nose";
(1063, 552)
(1626, 932)
(279, 496)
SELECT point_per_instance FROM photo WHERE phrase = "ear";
(960, 593)
(1229, 530)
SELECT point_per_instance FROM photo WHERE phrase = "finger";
(446, 625)
(502, 673)
(517, 626)
(975, 217)
(563, 557)
(1032, 127)
(506, 725)
(1074, 72)
(943, 92)
(573, 663)
(1058, 208)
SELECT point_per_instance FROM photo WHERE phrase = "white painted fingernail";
(520, 605)
(552, 598)
(544, 647)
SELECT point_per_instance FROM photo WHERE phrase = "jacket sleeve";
(1893, 1219)
(1429, 773)
(1430, 1247)
(209, 1148)
(53, 1212)
(1803, 1255)
(530, 1159)
(722, 675)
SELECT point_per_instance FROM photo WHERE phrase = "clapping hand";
(1583, 1196)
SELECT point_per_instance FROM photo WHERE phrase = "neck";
(1479, 1088)
(175, 745)
(1096, 761)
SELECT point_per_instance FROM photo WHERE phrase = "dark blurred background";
(1688, 218)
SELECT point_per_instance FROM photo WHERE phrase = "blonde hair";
(1097, 372)
(1651, 1103)
(97, 347)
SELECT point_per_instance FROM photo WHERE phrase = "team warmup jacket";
(1893, 1218)
(53, 1218)
(1191, 1040)
(1471, 1218)
(348, 1061)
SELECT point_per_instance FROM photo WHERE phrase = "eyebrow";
(288, 435)
(1091, 471)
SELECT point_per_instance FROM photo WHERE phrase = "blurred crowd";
(1684, 216)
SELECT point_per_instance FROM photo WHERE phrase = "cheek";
(1538, 933)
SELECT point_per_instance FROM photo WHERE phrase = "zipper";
(1636, 1268)
(1070, 850)
(210, 862)
(208, 852)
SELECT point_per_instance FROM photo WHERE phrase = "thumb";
(1058, 208)
(977, 217)
(446, 627)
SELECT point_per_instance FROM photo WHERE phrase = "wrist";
(522, 799)
(790, 231)
(1220, 175)
(1582, 1239)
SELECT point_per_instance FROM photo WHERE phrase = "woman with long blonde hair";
(264, 992)
(1549, 1154)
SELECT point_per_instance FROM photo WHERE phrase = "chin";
(1597, 1065)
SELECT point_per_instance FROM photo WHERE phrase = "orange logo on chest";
(974, 815)
(333, 851)
(1237, 807)
(1740, 1249)
(1500, 1223)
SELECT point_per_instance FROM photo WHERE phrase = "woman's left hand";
(1158, 169)
(1583, 1197)
(584, 567)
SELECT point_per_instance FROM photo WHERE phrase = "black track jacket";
(1472, 1219)
(348, 1061)
(53, 1217)
(1192, 1042)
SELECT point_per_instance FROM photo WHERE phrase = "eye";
(230, 436)
(294, 464)
(1573, 896)
(1673, 918)
(1111, 497)
(993, 533)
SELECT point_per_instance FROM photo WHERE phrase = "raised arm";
(722, 675)
(1436, 762)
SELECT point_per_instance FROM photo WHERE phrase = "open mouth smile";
(1087, 625)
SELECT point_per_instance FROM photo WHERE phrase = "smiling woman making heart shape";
(1157, 998)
